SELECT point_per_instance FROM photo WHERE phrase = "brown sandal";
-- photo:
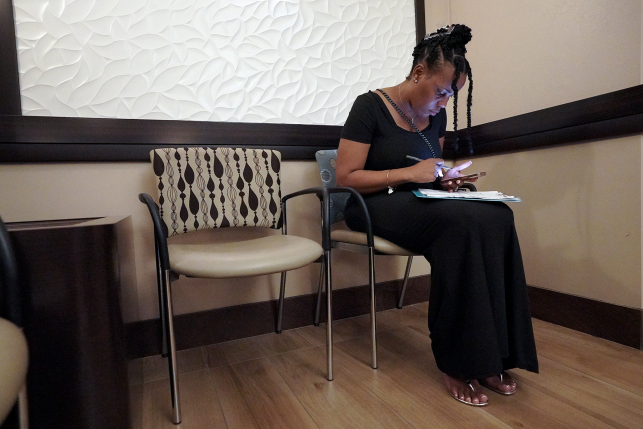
(502, 376)
(480, 404)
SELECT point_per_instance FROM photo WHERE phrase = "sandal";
(502, 376)
(480, 404)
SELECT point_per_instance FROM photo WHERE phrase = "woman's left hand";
(450, 180)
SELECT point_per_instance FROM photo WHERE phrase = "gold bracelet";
(390, 189)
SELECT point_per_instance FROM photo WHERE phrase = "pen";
(419, 160)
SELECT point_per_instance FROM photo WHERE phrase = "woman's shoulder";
(368, 103)
(367, 99)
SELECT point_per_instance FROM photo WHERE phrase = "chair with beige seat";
(209, 188)
(14, 355)
(345, 239)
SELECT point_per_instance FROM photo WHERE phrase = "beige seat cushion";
(381, 245)
(265, 255)
(14, 359)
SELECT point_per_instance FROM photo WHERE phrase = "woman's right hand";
(426, 171)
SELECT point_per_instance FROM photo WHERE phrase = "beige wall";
(530, 55)
(580, 220)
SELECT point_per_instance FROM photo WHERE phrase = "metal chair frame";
(165, 276)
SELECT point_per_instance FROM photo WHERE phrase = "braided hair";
(448, 45)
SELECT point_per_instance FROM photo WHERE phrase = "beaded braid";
(454, 87)
(469, 103)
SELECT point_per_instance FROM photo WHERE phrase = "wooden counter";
(71, 272)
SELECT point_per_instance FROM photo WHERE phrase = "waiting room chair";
(14, 354)
(205, 188)
(353, 241)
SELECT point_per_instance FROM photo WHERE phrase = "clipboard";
(470, 196)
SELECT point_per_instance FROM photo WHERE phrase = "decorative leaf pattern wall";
(282, 61)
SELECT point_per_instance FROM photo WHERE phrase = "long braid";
(469, 103)
(455, 111)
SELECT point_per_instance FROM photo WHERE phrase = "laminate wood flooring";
(279, 381)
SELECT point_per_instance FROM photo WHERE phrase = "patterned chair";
(204, 188)
(14, 354)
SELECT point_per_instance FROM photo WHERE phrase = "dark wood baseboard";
(608, 321)
(231, 323)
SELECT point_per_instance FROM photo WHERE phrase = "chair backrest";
(202, 188)
(327, 161)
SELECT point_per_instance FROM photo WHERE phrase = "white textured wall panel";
(286, 61)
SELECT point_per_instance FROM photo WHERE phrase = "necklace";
(399, 92)
(409, 121)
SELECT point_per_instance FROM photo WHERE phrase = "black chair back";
(10, 297)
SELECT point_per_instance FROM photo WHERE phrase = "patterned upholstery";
(327, 160)
(202, 188)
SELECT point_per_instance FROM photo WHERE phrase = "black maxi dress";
(479, 314)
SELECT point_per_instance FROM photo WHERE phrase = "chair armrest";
(319, 191)
(362, 204)
(160, 233)
(322, 194)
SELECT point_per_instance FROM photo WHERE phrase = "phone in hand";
(467, 178)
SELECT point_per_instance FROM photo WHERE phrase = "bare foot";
(462, 391)
(502, 383)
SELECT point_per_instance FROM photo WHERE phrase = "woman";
(478, 310)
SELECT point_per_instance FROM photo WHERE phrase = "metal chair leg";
(174, 374)
(282, 291)
(406, 280)
(23, 414)
(371, 281)
(162, 312)
(319, 292)
(329, 312)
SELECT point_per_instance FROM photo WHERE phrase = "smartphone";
(467, 178)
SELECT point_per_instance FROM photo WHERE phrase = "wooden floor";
(278, 381)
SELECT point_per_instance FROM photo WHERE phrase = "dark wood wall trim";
(49, 139)
(9, 87)
(420, 21)
(610, 115)
(622, 325)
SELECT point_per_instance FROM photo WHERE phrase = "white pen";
(420, 160)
